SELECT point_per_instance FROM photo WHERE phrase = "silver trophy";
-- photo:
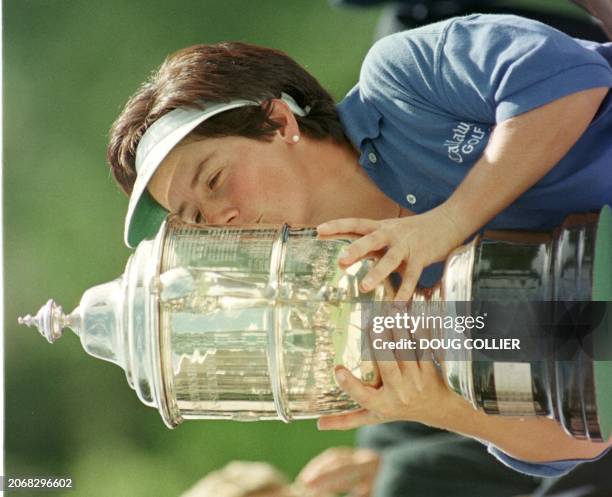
(565, 378)
(248, 323)
(243, 323)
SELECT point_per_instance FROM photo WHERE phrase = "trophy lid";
(117, 322)
(97, 321)
(51, 320)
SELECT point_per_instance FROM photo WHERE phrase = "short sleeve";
(480, 68)
(398, 73)
(503, 66)
(548, 469)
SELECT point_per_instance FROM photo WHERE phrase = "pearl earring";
(295, 138)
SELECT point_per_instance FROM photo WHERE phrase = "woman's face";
(234, 180)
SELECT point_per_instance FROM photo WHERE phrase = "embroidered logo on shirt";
(465, 138)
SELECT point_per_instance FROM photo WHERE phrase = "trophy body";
(248, 323)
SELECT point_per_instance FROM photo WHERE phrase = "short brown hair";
(220, 73)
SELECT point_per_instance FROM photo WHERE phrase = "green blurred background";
(69, 66)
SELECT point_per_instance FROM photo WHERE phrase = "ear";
(281, 113)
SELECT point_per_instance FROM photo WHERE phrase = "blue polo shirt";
(428, 99)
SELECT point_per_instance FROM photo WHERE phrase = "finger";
(372, 242)
(351, 472)
(340, 478)
(410, 278)
(390, 373)
(374, 255)
(298, 488)
(383, 268)
(348, 225)
(339, 481)
(364, 395)
(412, 369)
(331, 460)
(364, 489)
(429, 371)
(402, 354)
(347, 421)
(366, 457)
(409, 364)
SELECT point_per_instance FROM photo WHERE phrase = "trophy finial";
(50, 320)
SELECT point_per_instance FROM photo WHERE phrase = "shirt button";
(372, 157)
(411, 198)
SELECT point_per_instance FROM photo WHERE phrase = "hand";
(409, 245)
(411, 390)
(340, 470)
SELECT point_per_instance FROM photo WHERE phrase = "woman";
(472, 123)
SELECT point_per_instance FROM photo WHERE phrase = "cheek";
(242, 190)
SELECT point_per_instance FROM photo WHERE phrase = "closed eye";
(212, 182)
(199, 219)
(194, 218)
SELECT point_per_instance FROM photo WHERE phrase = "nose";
(220, 215)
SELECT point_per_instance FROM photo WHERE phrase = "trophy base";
(602, 291)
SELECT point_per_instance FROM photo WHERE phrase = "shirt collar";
(361, 120)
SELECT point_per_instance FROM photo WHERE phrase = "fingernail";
(319, 427)
(344, 254)
(367, 283)
(341, 375)
(322, 227)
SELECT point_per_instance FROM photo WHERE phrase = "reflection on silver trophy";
(571, 264)
(243, 323)
(248, 323)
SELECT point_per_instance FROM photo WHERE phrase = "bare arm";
(520, 152)
(414, 391)
(529, 439)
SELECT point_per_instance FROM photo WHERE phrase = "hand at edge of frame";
(340, 470)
